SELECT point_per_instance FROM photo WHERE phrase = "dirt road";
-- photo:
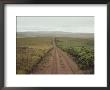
(56, 62)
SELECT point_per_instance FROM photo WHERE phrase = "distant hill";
(54, 34)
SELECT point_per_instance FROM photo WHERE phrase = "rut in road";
(57, 62)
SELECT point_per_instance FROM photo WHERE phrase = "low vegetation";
(81, 49)
(30, 51)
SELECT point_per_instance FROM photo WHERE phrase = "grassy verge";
(29, 52)
(81, 49)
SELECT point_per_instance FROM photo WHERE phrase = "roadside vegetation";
(81, 49)
(30, 51)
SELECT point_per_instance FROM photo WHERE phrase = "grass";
(30, 51)
(81, 49)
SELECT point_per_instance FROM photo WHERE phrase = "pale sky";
(66, 24)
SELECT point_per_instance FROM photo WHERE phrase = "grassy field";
(29, 52)
(81, 49)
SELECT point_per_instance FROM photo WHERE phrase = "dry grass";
(29, 52)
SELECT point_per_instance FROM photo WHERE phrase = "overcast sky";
(66, 24)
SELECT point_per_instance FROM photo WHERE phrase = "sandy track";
(57, 62)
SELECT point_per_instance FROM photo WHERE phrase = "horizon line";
(55, 31)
